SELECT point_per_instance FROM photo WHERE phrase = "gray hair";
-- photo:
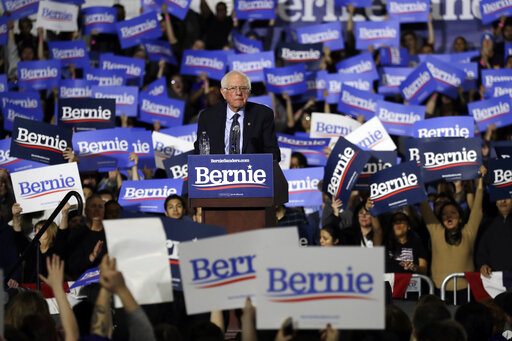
(224, 80)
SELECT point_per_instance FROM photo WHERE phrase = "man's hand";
(486, 270)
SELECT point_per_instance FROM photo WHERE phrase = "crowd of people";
(457, 230)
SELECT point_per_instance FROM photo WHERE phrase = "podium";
(238, 192)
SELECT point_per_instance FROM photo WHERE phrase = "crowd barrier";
(454, 276)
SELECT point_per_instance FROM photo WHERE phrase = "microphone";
(235, 140)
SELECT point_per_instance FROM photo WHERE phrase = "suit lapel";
(248, 126)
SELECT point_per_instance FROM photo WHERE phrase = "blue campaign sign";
(105, 77)
(356, 3)
(3, 83)
(503, 152)
(447, 77)
(265, 100)
(105, 148)
(293, 53)
(133, 67)
(377, 33)
(408, 11)
(26, 99)
(142, 145)
(391, 78)
(246, 45)
(20, 9)
(10, 111)
(40, 142)
(230, 176)
(499, 147)
(361, 63)
(491, 76)
(378, 161)
(500, 179)
(360, 81)
(394, 56)
(396, 187)
(316, 84)
(447, 126)
(333, 84)
(157, 88)
(178, 8)
(303, 186)
(342, 170)
(499, 89)
(148, 195)
(176, 166)
(252, 64)
(14, 164)
(86, 113)
(99, 18)
(418, 85)
(70, 52)
(328, 34)
(471, 70)
(187, 132)
(491, 111)
(39, 75)
(289, 79)
(508, 50)
(158, 50)
(255, 9)
(179, 231)
(150, 5)
(132, 32)
(355, 102)
(212, 62)
(312, 149)
(75, 88)
(126, 98)
(167, 111)
(451, 159)
(4, 30)
(398, 119)
(492, 10)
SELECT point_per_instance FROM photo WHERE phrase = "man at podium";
(237, 126)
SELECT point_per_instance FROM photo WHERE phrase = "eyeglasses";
(233, 89)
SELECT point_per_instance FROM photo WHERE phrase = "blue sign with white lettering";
(447, 126)
(187, 132)
(14, 164)
(495, 111)
(492, 10)
(378, 161)
(328, 34)
(289, 79)
(133, 67)
(361, 63)
(167, 111)
(255, 9)
(500, 176)
(355, 102)
(471, 70)
(377, 33)
(391, 78)
(75, 88)
(105, 77)
(252, 64)
(303, 186)
(398, 119)
(178, 8)
(132, 32)
(3, 83)
(150, 5)
(142, 145)
(40, 142)
(246, 45)
(157, 88)
(396, 187)
(26, 99)
(418, 85)
(394, 56)
(447, 77)
(99, 18)
(148, 195)
(158, 50)
(491, 76)
(293, 53)
(86, 113)
(70, 52)
(230, 176)
(126, 98)
(11, 111)
(499, 89)
(312, 149)
(212, 62)
(176, 166)
(315, 83)
(356, 3)
(39, 74)
(4, 30)
(332, 82)
(20, 9)
(408, 11)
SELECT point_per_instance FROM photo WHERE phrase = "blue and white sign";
(391, 78)
(126, 98)
(3, 83)
(316, 84)
(448, 126)
(408, 11)
(255, 9)
(142, 145)
(500, 176)
(230, 176)
(11, 111)
(167, 146)
(86, 113)
(167, 111)
(377, 33)
(499, 89)
(133, 67)
(495, 111)
(471, 70)
(396, 187)
(20, 9)
(14, 164)
(252, 64)
(447, 77)
(372, 135)
(331, 125)
(289, 79)
(418, 85)
(157, 88)
(105, 77)
(312, 149)
(148, 195)
(492, 10)
(356, 3)
(158, 50)
(176, 166)
(398, 119)
(4, 30)
(39, 75)
(70, 52)
(246, 45)
(26, 99)
(377, 162)
(187, 132)
(265, 100)
(329, 34)
(132, 32)
(491, 76)
(99, 18)
(361, 63)
(212, 62)
(75, 88)
(394, 56)
(150, 5)
(293, 53)
(303, 186)
(355, 102)
(40, 142)
(178, 8)
(57, 16)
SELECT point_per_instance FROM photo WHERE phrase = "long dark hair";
(356, 226)
(455, 236)
(392, 244)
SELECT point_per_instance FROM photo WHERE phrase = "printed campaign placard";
(316, 84)
(492, 10)
(57, 16)
(362, 63)
(11, 111)
(230, 176)
(492, 111)
(447, 77)
(499, 89)
(14, 164)
(293, 53)
(286, 156)
(157, 88)
(142, 144)
(418, 85)
(398, 119)
(216, 277)
(414, 147)
(372, 135)
(167, 146)
(356, 102)
(508, 50)
(176, 166)
(396, 187)
(306, 285)
(312, 149)
(252, 64)
(43, 188)
(329, 34)
(491, 76)
(265, 100)
(75, 88)
(246, 45)
(497, 148)
(70, 52)
(86, 113)
(158, 50)
(331, 125)
(133, 67)
(471, 70)
(99, 18)
(332, 83)
(20, 9)
(342, 170)
(303, 186)
(289, 79)
(39, 74)
(377, 162)
(167, 111)
(394, 56)
(187, 132)
(408, 11)
(503, 152)
(255, 9)
(105, 77)
(391, 78)
(148, 195)
(500, 179)
(132, 32)
(4, 30)
(178, 8)
(25, 99)
(377, 33)
(212, 62)
(125, 97)
(150, 5)
(451, 159)
(38, 141)
(448, 126)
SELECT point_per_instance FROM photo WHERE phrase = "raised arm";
(377, 228)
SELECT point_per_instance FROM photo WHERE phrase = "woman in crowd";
(365, 230)
(330, 235)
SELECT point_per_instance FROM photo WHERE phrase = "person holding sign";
(365, 230)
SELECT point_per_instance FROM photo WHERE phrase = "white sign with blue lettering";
(331, 125)
(372, 135)
(57, 16)
(166, 146)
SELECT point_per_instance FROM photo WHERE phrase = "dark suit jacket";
(259, 134)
